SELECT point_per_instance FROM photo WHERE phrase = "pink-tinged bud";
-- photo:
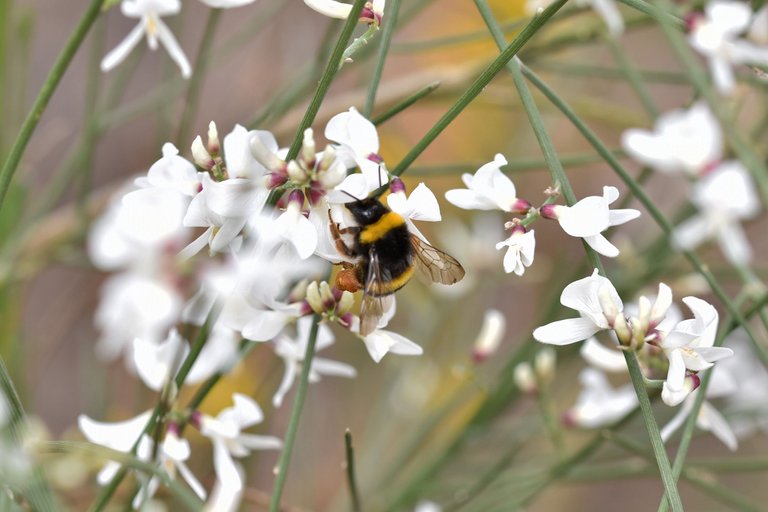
(490, 335)
(396, 185)
(305, 309)
(275, 180)
(549, 211)
(367, 15)
(520, 206)
(314, 298)
(346, 320)
(337, 294)
(568, 419)
(695, 381)
(693, 19)
(375, 157)
(296, 196)
(308, 149)
(344, 303)
(173, 428)
(515, 227)
(196, 419)
(315, 193)
(214, 146)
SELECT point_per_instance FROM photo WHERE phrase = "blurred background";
(100, 130)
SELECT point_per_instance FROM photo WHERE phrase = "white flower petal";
(565, 332)
(173, 48)
(121, 51)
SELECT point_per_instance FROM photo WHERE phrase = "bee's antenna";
(350, 195)
(378, 174)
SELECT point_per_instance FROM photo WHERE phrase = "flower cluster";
(690, 142)
(654, 330)
(490, 189)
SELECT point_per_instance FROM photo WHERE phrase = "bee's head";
(367, 211)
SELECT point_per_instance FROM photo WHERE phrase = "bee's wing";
(438, 266)
(374, 305)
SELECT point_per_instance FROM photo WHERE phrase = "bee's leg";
(346, 280)
(336, 233)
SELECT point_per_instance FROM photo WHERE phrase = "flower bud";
(296, 173)
(313, 297)
(345, 303)
(490, 335)
(333, 175)
(544, 363)
(265, 157)
(520, 206)
(550, 211)
(308, 149)
(660, 306)
(200, 155)
(326, 295)
(524, 378)
(214, 146)
(396, 186)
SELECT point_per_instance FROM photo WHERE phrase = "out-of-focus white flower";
(155, 29)
(373, 11)
(746, 405)
(520, 250)
(226, 433)
(587, 296)
(296, 228)
(488, 189)
(606, 9)
(156, 363)
(591, 216)
(715, 34)
(758, 30)
(688, 141)
(599, 403)
(118, 436)
(292, 352)
(420, 205)
(134, 306)
(490, 335)
(709, 419)
(601, 357)
(427, 506)
(724, 197)
(689, 347)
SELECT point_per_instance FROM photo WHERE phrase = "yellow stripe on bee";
(374, 232)
(391, 286)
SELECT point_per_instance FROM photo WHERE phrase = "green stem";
(478, 85)
(36, 491)
(325, 81)
(351, 480)
(646, 201)
(660, 453)
(47, 90)
(293, 423)
(196, 81)
(405, 103)
(393, 7)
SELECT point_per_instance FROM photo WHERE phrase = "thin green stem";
(191, 102)
(325, 81)
(47, 90)
(647, 202)
(293, 423)
(478, 85)
(393, 7)
(660, 453)
(406, 103)
(36, 490)
(349, 453)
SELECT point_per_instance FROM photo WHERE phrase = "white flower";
(607, 359)
(746, 404)
(490, 335)
(688, 141)
(758, 30)
(292, 352)
(591, 216)
(715, 34)
(373, 11)
(154, 28)
(380, 342)
(420, 205)
(156, 363)
(427, 506)
(358, 147)
(689, 347)
(119, 436)
(488, 189)
(296, 228)
(709, 419)
(520, 249)
(724, 197)
(586, 296)
(600, 404)
(225, 432)
(134, 306)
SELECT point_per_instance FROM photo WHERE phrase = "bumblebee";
(386, 256)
